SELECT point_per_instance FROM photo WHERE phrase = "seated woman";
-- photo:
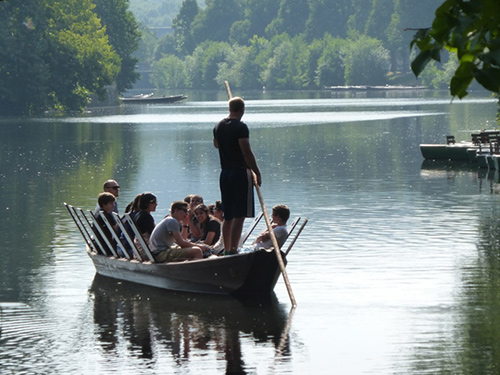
(217, 211)
(144, 221)
(208, 225)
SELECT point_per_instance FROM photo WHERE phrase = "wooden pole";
(275, 243)
(269, 226)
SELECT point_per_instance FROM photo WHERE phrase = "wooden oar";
(269, 226)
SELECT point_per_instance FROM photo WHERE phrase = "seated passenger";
(280, 215)
(194, 231)
(209, 225)
(106, 202)
(216, 210)
(132, 209)
(218, 213)
(166, 242)
(110, 186)
(144, 220)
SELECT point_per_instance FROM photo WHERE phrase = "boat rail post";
(89, 235)
(103, 236)
(250, 229)
(139, 237)
(114, 234)
(296, 236)
(127, 237)
(80, 226)
(102, 251)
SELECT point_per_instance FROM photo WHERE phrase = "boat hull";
(457, 152)
(249, 273)
(154, 99)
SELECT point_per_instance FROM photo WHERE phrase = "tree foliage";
(124, 35)
(366, 60)
(304, 41)
(57, 54)
(471, 30)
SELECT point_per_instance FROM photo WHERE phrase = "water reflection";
(148, 321)
(486, 180)
(401, 281)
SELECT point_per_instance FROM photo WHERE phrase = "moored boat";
(482, 144)
(151, 99)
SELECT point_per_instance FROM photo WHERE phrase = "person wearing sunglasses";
(110, 186)
(167, 243)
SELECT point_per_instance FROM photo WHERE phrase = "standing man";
(231, 137)
(110, 186)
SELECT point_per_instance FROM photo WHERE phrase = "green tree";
(287, 64)
(256, 61)
(232, 68)
(203, 65)
(330, 66)
(182, 27)
(215, 21)
(54, 55)
(24, 72)
(260, 13)
(292, 17)
(366, 62)
(124, 35)
(357, 20)
(169, 73)
(379, 18)
(328, 16)
(84, 62)
(240, 32)
(471, 30)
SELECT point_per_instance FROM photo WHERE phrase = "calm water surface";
(397, 271)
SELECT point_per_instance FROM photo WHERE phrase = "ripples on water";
(395, 273)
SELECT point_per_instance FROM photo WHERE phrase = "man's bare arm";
(249, 156)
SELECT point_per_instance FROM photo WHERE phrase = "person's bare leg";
(236, 229)
(193, 253)
(226, 234)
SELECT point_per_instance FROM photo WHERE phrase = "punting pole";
(275, 243)
(269, 226)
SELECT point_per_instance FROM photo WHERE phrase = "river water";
(397, 271)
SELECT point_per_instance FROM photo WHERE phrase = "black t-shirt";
(228, 132)
(144, 222)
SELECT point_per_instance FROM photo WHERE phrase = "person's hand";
(257, 179)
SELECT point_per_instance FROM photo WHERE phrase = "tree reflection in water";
(153, 321)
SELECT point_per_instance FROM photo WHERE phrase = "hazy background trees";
(290, 44)
(57, 55)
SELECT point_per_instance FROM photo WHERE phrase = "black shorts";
(236, 186)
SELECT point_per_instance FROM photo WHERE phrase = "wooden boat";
(151, 99)
(248, 273)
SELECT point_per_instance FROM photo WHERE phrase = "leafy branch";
(471, 30)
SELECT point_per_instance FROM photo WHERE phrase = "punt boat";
(247, 273)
